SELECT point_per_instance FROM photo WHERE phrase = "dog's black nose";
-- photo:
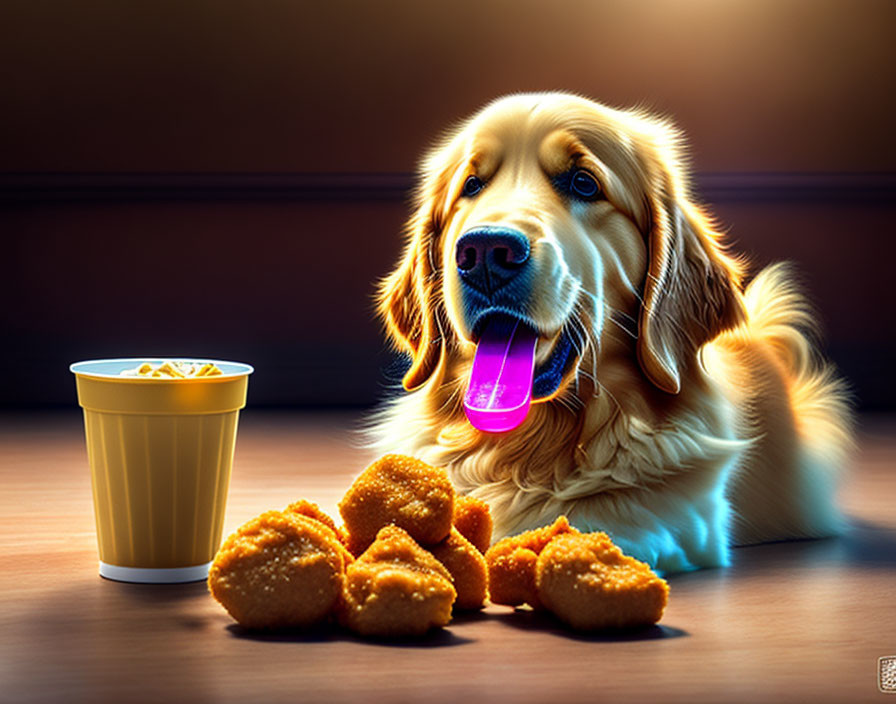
(489, 257)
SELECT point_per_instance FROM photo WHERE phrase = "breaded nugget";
(466, 564)
(402, 491)
(473, 520)
(511, 564)
(281, 569)
(396, 588)
(590, 584)
(312, 510)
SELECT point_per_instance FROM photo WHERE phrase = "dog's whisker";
(587, 375)
(595, 343)
(624, 329)
(614, 314)
(617, 405)
(592, 345)
(611, 335)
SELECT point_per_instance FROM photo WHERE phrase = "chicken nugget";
(279, 570)
(312, 510)
(466, 564)
(396, 588)
(402, 491)
(473, 520)
(590, 584)
(511, 564)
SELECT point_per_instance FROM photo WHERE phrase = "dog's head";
(572, 219)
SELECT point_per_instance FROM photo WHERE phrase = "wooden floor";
(800, 621)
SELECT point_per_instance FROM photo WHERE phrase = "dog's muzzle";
(496, 270)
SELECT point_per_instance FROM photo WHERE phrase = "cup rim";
(82, 368)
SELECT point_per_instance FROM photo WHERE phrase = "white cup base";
(146, 575)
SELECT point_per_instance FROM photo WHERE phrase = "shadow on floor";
(544, 622)
(330, 633)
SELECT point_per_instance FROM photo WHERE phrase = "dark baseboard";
(119, 186)
(825, 187)
(25, 187)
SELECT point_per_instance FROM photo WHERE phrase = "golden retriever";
(671, 407)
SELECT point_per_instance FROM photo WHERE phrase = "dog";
(671, 407)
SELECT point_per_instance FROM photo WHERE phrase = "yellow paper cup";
(160, 453)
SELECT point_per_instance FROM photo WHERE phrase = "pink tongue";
(500, 388)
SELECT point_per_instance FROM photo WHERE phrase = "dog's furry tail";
(780, 315)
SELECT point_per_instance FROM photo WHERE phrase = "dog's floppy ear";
(692, 290)
(408, 299)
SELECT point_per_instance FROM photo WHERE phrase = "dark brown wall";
(350, 85)
(787, 105)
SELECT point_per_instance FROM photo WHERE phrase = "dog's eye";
(472, 186)
(577, 183)
(583, 185)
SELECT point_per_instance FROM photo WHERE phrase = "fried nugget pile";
(410, 553)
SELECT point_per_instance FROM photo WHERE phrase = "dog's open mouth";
(505, 380)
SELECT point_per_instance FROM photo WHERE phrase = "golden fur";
(698, 414)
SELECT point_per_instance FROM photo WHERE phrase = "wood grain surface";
(802, 621)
